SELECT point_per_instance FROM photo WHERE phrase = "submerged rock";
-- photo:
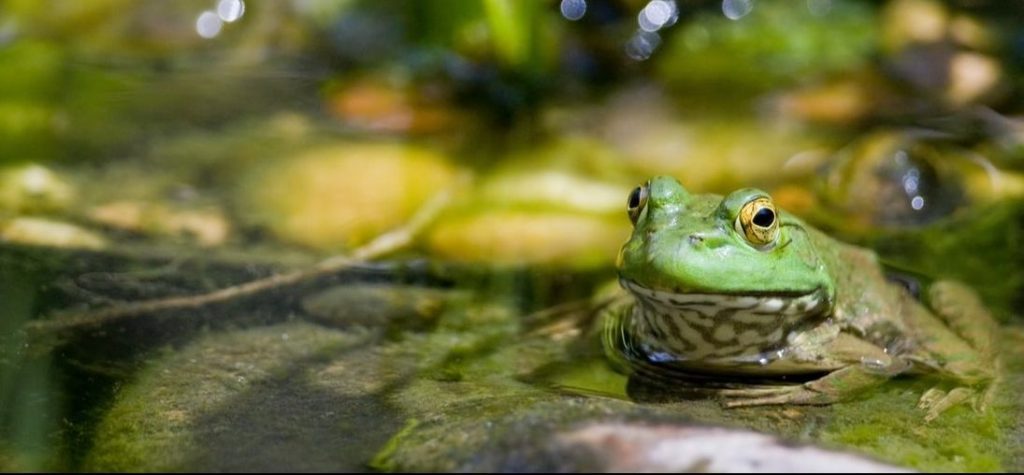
(33, 188)
(545, 207)
(518, 237)
(891, 179)
(48, 232)
(383, 304)
(338, 196)
(478, 393)
(206, 227)
(251, 400)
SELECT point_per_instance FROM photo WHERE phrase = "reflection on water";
(199, 163)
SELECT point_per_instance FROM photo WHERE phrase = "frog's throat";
(699, 326)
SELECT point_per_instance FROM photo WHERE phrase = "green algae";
(888, 425)
(293, 395)
(884, 424)
(382, 461)
(476, 392)
(157, 422)
(592, 377)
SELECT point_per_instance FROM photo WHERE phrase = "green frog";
(734, 294)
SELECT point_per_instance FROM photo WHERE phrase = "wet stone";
(640, 447)
(576, 434)
(254, 400)
(478, 394)
(410, 307)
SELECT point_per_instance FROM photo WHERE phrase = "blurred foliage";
(777, 44)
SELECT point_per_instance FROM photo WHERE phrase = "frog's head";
(734, 264)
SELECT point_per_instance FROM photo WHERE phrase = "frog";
(735, 295)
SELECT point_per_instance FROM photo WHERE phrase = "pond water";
(345, 236)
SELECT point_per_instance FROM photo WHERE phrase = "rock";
(560, 203)
(555, 189)
(631, 447)
(523, 237)
(536, 406)
(476, 394)
(377, 305)
(338, 196)
(527, 432)
(33, 188)
(206, 227)
(47, 232)
(288, 397)
(896, 178)
(705, 153)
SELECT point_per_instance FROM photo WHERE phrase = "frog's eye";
(636, 202)
(758, 221)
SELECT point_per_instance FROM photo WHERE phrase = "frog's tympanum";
(734, 289)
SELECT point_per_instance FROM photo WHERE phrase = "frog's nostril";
(696, 239)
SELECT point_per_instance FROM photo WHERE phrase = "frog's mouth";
(710, 325)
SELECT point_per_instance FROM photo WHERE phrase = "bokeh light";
(208, 25)
(736, 9)
(230, 10)
(573, 9)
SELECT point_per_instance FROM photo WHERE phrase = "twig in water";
(384, 244)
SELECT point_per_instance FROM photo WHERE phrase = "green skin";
(705, 304)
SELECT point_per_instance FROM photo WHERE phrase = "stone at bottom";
(630, 447)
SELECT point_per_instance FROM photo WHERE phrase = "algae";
(888, 425)
(462, 423)
(192, 408)
(478, 391)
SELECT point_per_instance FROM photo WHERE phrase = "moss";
(474, 394)
(166, 419)
(383, 460)
(888, 425)
(479, 395)
(593, 376)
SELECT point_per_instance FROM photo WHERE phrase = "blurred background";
(146, 134)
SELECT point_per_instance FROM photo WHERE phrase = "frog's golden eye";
(758, 221)
(636, 202)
